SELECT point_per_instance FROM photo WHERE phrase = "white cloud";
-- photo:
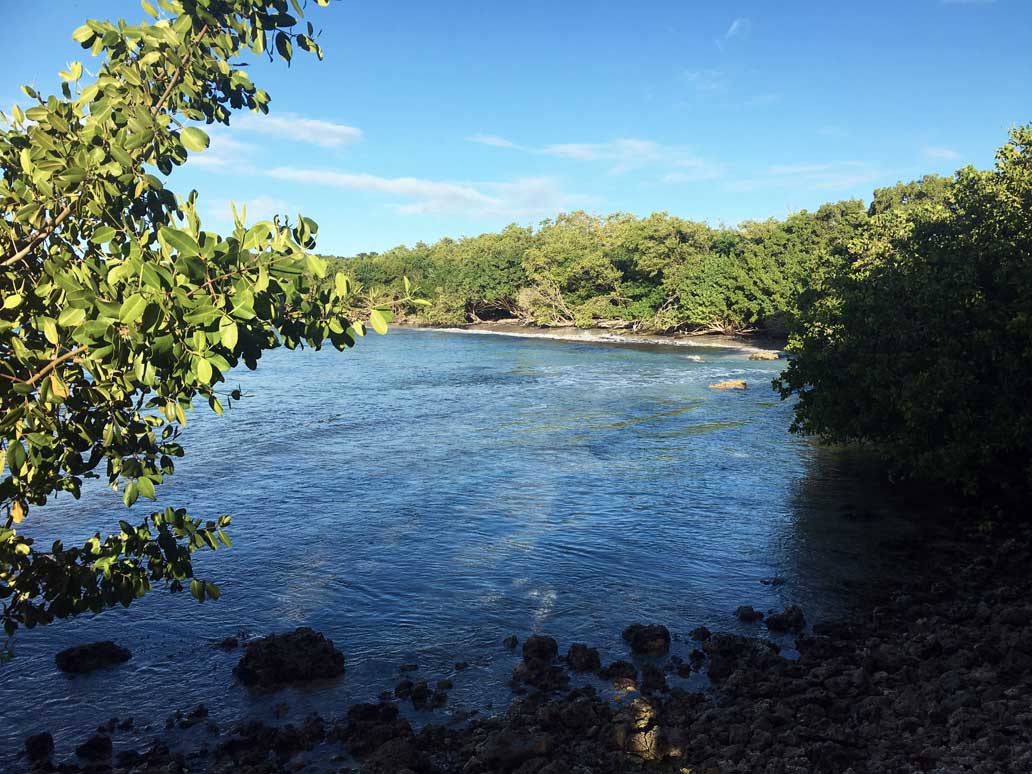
(945, 154)
(492, 140)
(261, 207)
(224, 151)
(516, 199)
(820, 176)
(325, 134)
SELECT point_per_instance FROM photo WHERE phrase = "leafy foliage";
(920, 339)
(119, 310)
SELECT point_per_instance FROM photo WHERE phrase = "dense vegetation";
(118, 310)
(661, 273)
(921, 340)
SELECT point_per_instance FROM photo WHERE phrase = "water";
(427, 494)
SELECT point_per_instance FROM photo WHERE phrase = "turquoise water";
(427, 494)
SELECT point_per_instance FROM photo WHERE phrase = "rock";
(230, 643)
(775, 581)
(393, 757)
(540, 647)
(95, 655)
(619, 669)
(792, 619)
(700, 634)
(649, 640)
(39, 748)
(747, 614)
(403, 689)
(420, 695)
(510, 642)
(652, 679)
(581, 658)
(461, 666)
(408, 667)
(95, 749)
(445, 685)
(294, 657)
(730, 384)
(505, 750)
(765, 356)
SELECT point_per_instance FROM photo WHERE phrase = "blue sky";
(455, 118)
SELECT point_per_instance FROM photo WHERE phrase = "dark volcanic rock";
(792, 620)
(747, 614)
(97, 748)
(282, 659)
(649, 640)
(230, 643)
(619, 669)
(86, 658)
(653, 680)
(581, 658)
(540, 647)
(510, 642)
(701, 634)
(39, 748)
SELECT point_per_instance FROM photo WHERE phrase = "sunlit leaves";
(118, 310)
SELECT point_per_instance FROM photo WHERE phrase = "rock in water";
(790, 620)
(649, 640)
(39, 748)
(765, 356)
(730, 384)
(747, 614)
(294, 657)
(97, 748)
(581, 658)
(86, 658)
(540, 647)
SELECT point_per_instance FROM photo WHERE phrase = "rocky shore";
(934, 677)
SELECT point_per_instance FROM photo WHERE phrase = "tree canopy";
(119, 311)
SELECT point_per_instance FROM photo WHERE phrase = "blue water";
(421, 497)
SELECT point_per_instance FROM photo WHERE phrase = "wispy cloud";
(522, 198)
(815, 176)
(492, 140)
(739, 27)
(944, 154)
(325, 134)
(706, 81)
(224, 151)
(622, 155)
(261, 207)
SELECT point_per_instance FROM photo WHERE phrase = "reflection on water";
(428, 494)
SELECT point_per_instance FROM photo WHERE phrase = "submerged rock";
(294, 657)
(730, 384)
(765, 356)
(648, 640)
(510, 642)
(747, 614)
(95, 655)
(97, 748)
(39, 748)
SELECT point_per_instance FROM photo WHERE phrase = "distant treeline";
(661, 273)
(910, 319)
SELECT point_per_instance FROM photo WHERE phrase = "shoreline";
(932, 675)
(745, 344)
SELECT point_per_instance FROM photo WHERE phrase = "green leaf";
(194, 139)
(377, 320)
(70, 317)
(50, 330)
(16, 457)
(149, 9)
(228, 332)
(204, 370)
(179, 240)
(103, 235)
(82, 34)
(316, 265)
(146, 487)
(130, 494)
(340, 284)
(132, 308)
(73, 73)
